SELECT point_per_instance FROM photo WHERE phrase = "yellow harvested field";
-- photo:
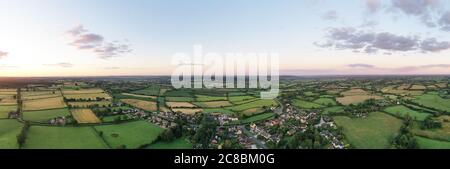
(8, 90)
(352, 92)
(39, 93)
(43, 96)
(89, 104)
(86, 96)
(42, 104)
(404, 87)
(83, 91)
(213, 104)
(441, 85)
(84, 116)
(347, 100)
(8, 93)
(8, 100)
(138, 95)
(418, 87)
(187, 111)
(144, 105)
(180, 105)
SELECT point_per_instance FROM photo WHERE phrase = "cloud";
(83, 40)
(62, 64)
(360, 65)
(371, 70)
(348, 38)
(77, 30)
(330, 15)
(373, 5)
(3, 54)
(423, 9)
(415, 7)
(432, 45)
(444, 21)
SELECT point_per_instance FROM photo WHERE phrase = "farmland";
(402, 111)
(43, 137)
(144, 105)
(9, 129)
(42, 104)
(45, 115)
(130, 135)
(375, 131)
(4, 110)
(434, 101)
(84, 116)
(139, 114)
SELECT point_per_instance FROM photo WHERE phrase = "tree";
(167, 135)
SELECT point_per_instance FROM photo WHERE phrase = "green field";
(44, 115)
(255, 104)
(4, 110)
(180, 99)
(333, 110)
(9, 129)
(433, 100)
(402, 111)
(204, 98)
(255, 118)
(238, 99)
(151, 91)
(375, 131)
(179, 143)
(306, 104)
(426, 143)
(44, 137)
(218, 110)
(325, 101)
(131, 134)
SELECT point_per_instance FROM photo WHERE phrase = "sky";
(137, 37)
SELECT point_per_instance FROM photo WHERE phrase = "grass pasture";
(179, 143)
(426, 143)
(238, 99)
(84, 116)
(44, 115)
(180, 99)
(213, 104)
(402, 111)
(45, 137)
(131, 135)
(255, 104)
(9, 129)
(373, 132)
(306, 104)
(204, 98)
(4, 110)
(433, 100)
(43, 104)
(144, 105)
(437, 134)
(325, 101)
